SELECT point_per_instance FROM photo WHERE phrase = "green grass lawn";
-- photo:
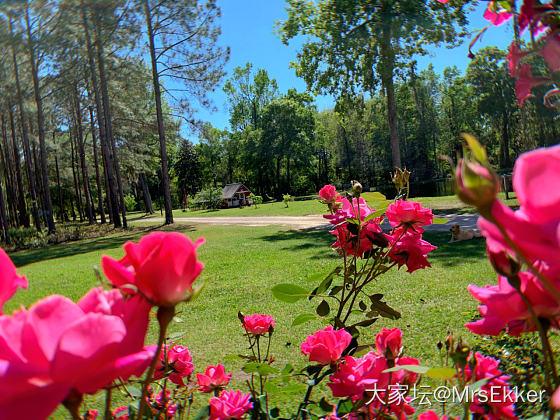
(445, 204)
(243, 263)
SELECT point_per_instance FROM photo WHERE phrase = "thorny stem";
(164, 315)
(108, 397)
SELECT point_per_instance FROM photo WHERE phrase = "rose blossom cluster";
(363, 234)
(57, 350)
(531, 231)
(356, 377)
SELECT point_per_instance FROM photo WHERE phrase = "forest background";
(100, 104)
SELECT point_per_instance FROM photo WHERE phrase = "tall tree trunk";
(41, 129)
(8, 175)
(112, 200)
(119, 199)
(4, 217)
(25, 137)
(146, 193)
(76, 182)
(23, 216)
(60, 198)
(96, 163)
(288, 174)
(387, 64)
(161, 129)
(81, 151)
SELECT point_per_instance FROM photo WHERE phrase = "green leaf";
(289, 293)
(410, 368)
(335, 290)
(366, 322)
(203, 413)
(325, 405)
(440, 372)
(287, 369)
(478, 152)
(384, 310)
(303, 318)
(439, 221)
(294, 388)
(323, 309)
(344, 407)
(263, 369)
(353, 221)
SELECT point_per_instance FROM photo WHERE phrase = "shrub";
(286, 198)
(255, 200)
(130, 202)
(209, 199)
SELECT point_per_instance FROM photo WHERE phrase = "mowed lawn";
(307, 205)
(243, 263)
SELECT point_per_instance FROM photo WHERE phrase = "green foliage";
(130, 202)
(286, 198)
(210, 198)
(255, 200)
(521, 358)
(187, 169)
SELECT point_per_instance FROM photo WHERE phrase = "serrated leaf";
(289, 293)
(323, 309)
(263, 369)
(439, 221)
(303, 318)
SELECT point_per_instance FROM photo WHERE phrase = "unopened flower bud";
(477, 185)
(356, 188)
(504, 264)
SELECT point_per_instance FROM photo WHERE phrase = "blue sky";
(248, 29)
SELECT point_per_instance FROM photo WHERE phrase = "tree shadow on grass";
(67, 249)
(451, 254)
(317, 238)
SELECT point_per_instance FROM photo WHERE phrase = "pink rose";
(496, 18)
(328, 194)
(410, 250)
(159, 404)
(91, 415)
(258, 324)
(162, 266)
(430, 415)
(356, 375)
(502, 405)
(535, 225)
(214, 377)
(58, 346)
(503, 308)
(10, 279)
(389, 343)
(230, 405)
(178, 365)
(526, 82)
(411, 215)
(326, 346)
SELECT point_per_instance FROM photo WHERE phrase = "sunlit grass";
(243, 263)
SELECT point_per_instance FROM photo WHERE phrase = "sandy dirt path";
(466, 221)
